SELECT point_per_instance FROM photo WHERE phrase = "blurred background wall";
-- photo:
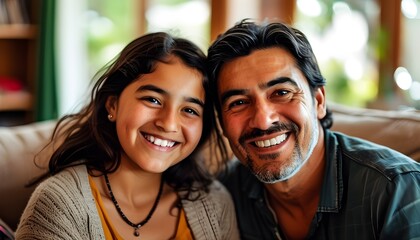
(367, 49)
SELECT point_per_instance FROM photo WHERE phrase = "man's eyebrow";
(231, 93)
(266, 85)
(159, 90)
(278, 81)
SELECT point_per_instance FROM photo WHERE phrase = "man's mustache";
(276, 127)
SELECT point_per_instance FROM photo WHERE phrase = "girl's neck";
(132, 183)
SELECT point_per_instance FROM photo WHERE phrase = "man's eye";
(282, 92)
(236, 103)
(282, 95)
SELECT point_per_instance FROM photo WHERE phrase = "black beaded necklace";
(117, 206)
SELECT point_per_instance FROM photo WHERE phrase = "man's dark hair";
(247, 36)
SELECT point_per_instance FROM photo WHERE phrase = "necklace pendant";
(136, 232)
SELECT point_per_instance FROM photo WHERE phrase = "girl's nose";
(167, 120)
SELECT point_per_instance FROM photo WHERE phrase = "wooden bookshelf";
(16, 101)
(19, 34)
(18, 31)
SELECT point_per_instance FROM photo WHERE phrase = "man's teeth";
(271, 142)
(159, 142)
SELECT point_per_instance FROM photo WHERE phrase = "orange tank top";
(183, 231)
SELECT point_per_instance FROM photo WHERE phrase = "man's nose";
(264, 115)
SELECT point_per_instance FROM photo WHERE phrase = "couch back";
(399, 130)
(18, 146)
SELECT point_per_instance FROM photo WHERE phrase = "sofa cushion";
(398, 130)
(18, 146)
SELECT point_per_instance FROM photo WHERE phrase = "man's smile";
(272, 141)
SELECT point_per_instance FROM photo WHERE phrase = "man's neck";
(295, 201)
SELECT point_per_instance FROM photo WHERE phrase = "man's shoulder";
(239, 180)
(235, 170)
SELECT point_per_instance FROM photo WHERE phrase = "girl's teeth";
(160, 142)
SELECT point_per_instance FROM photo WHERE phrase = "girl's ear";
(111, 106)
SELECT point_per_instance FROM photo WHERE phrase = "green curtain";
(46, 101)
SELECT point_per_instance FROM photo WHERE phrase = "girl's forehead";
(173, 77)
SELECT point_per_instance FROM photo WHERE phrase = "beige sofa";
(18, 145)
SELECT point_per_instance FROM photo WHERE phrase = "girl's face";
(159, 117)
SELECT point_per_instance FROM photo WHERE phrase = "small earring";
(110, 116)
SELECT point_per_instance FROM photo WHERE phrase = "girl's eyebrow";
(195, 100)
(153, 88)
(150, 87)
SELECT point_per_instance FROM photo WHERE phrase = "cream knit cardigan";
(63, 207)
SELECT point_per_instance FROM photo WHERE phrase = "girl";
(130, 164)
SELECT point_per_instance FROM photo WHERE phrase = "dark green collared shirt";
(369, 192)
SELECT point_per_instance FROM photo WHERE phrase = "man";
(298, 179)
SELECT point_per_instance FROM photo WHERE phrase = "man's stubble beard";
(273, 172)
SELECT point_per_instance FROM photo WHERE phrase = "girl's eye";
(191, 111)
(151, 100)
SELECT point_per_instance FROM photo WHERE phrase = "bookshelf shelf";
(13, 101)
(18, 31)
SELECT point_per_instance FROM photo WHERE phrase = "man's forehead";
(262, 65)
(268, 59)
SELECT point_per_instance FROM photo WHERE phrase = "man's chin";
(273, 172)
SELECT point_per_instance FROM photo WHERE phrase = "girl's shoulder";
(217, 194)
(62, 201)
(212, 213)
(217, 189)
(70, 183)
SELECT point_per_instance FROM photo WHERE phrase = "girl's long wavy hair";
(90, 139)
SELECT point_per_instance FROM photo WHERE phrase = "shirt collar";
(332, 188)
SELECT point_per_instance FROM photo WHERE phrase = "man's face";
(268, 113)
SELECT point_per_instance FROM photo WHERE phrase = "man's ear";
(320, 102)
(111, 107)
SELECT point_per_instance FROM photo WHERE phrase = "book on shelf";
(13, 95)
(14, 12)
